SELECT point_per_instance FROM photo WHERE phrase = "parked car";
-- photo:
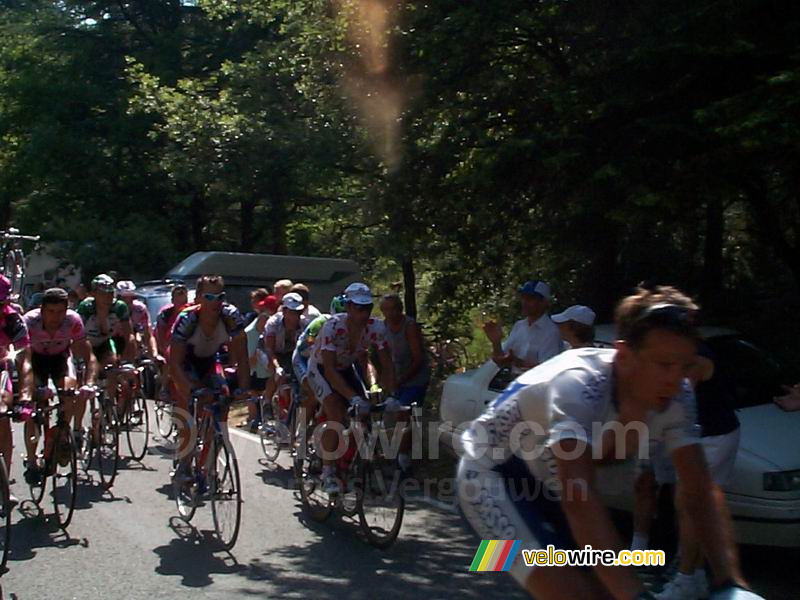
(156, 294)
(764, 492)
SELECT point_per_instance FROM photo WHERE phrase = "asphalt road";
(129, 543)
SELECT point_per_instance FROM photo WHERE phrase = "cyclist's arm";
(177, 354)
(414, 339)
(82, 350)
(708, 512)
(26, 375)
(161, 341)
(149, 340)
(387, 374)
(269, 341)
(335, 379)
(238, 354)
(588, 517)
(130, 345)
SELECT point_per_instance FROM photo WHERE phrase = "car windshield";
(155, 304)
(755, 375)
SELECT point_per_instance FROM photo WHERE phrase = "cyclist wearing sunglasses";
(345, 340)
(56, 332)
(532, 459)
(197, 336)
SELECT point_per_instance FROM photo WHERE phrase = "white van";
(325, 277)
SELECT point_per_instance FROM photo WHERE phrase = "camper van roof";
(263, 266)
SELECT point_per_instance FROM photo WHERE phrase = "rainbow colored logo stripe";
(495, 555)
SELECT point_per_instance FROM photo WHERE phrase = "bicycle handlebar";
(14, 234)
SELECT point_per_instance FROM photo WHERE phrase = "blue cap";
(537, 287)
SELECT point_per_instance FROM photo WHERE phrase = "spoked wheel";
(308, 467)
(137, 427)
(381, 504)
(108, 444)
(65, 479)
(226, 493)
(5, 516)
(149, 382)
(164, 422)
(186, 497)
(37, 489)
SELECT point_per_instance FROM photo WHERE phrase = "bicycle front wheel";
(226, 493)
(137, 428)
(308, 470)
(65, 479)
(108, 444)
(381, 504)
(164, 421)
(5, 516)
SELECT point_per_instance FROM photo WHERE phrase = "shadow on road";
(339, 563)
(38, 529)
(194, 556)
(276, 475)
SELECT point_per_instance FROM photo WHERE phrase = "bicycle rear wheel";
(308, 467)
(108, 444)
(5, 516)
(226, 493)
(137, 428)
(381, 505)
(270, 430)
(65, 479)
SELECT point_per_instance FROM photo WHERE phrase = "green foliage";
(483, 143)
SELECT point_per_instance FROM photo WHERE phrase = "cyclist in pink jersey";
(12, 332)
(56, 332)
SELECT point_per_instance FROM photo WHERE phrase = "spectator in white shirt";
(533, 339)
(311, 311)
(576, 325)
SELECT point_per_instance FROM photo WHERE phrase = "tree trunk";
(768, 225)
(247, 216)
(711, 285)
(278, 221)
(197, 218)
(409, 285)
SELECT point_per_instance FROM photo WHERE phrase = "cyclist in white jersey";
(531, 460)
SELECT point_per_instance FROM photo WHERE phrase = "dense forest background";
(454, 148)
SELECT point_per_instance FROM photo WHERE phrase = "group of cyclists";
(328, 356)
(202, 346)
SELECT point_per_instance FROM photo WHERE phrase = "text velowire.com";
(588, 557)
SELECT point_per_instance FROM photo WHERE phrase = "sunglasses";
(363, 307)
(671, 317)
(666, 314)
(214, 297)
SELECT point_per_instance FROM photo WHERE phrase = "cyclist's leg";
(32, 429)
(105, 355)
(508, 503)
(257, 385)
(407, 395)
(6, 444)
(308, 403)
(6, 441)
